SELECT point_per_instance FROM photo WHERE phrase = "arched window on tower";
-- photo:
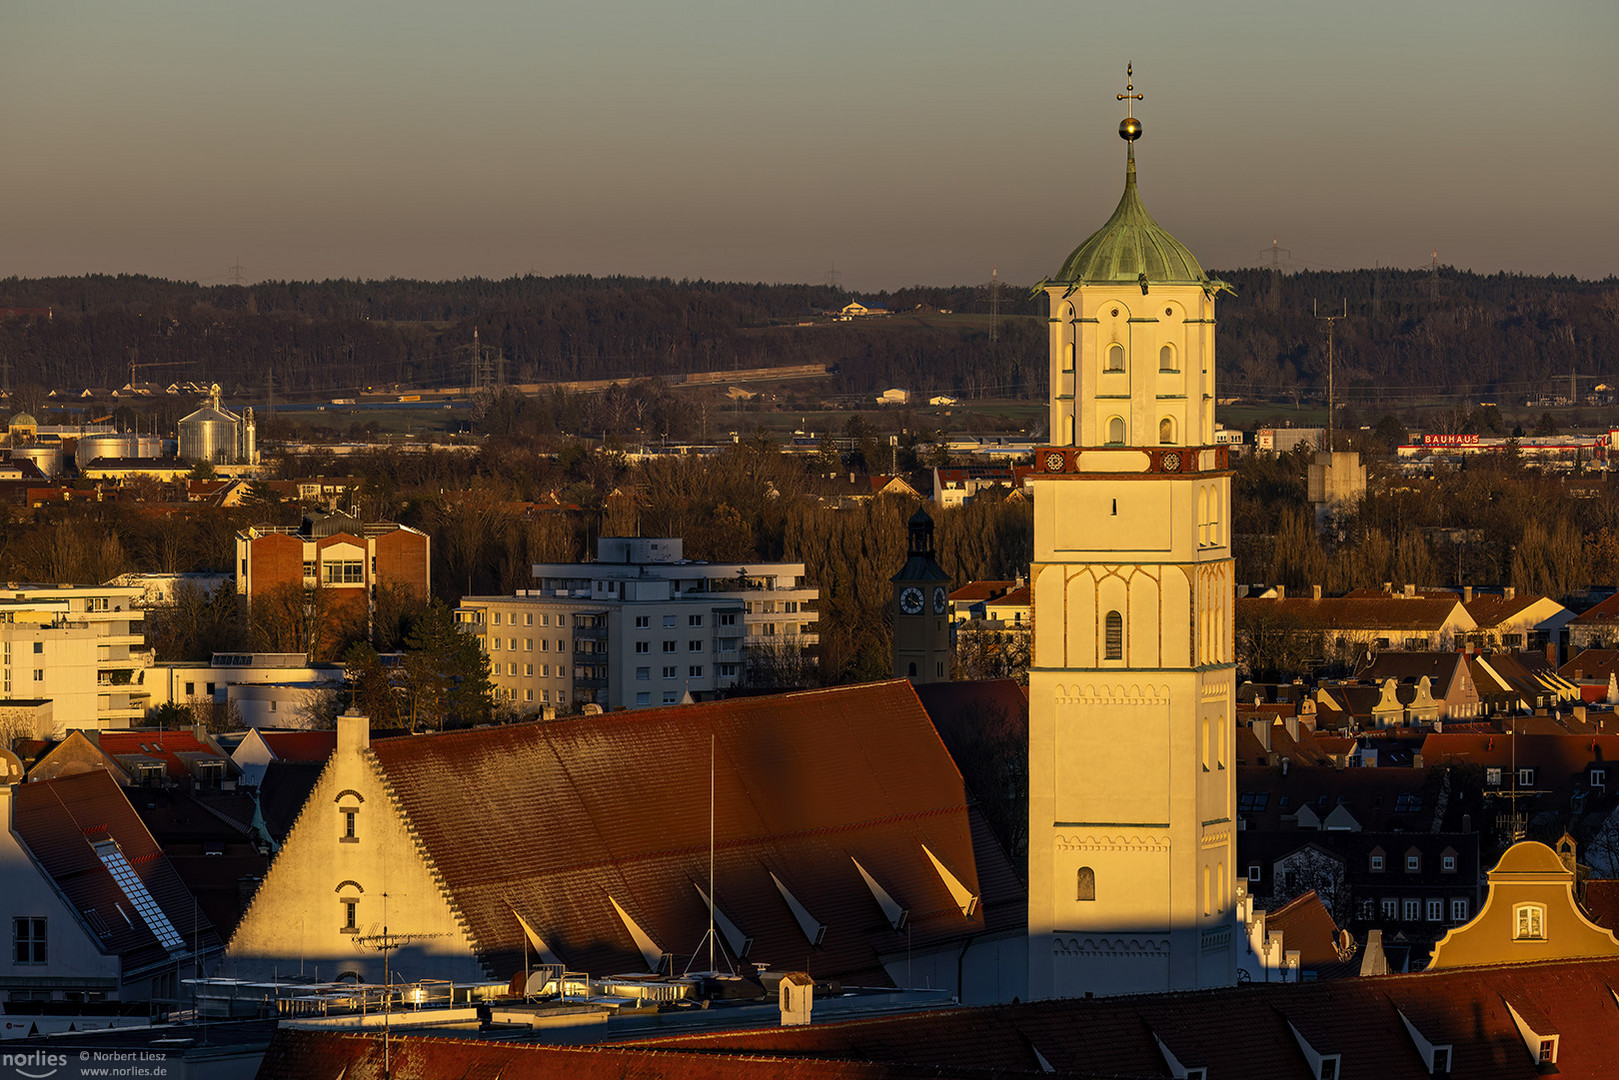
(1166, 430)
(1086, 889)
(1166, 358)
(1115, 431)
(1113, 640)
(1115, 357)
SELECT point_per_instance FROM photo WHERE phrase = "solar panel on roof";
(135, 889)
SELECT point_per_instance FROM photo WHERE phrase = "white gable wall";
(295, 922)
(74, 960)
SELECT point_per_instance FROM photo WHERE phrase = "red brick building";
(335, 560)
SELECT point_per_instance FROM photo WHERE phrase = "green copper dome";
(1131, 249)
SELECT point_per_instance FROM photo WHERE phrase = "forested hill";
(1463, 332)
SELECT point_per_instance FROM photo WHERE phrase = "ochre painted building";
(1529, 915)
(1131, 843)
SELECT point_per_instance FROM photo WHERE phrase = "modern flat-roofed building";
(82, 647)
(349, 560)
(641, 627)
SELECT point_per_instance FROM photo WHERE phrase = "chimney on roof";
(1315, 592)
(1281, 592)
(1373, 961)
(1260, 726)
(1410, 591)
(1388, 586)
(353, 733)
(1467, 594)
(1510, 592)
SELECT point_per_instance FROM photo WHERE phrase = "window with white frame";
(1529, 922)
(1411, 910)
(1436, 910)
(1458, 910)
(1391, 908)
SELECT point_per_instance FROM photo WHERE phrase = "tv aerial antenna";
(386, 942)
(710, 937)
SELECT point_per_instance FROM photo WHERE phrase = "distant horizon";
(879, 291)
(886, 144)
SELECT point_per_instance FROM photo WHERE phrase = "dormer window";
(1413, 862)
(1377, 864)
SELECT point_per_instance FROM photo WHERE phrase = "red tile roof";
(1601, 903)
(1605, 613)
(551, 820)
(1246, 1031)
(300, 745)
(1306, 925)
(1381, 612)
(1491, 609)
(59, 821)
(981, 590)
(166, 745)
(301, 1055)
(1560, 758)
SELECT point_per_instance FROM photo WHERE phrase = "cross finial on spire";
(1129, 94)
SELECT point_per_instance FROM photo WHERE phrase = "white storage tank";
(97, 447)
(210, 433)
(48, 456)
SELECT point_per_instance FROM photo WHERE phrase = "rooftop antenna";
(710, 938)
(385, 943)
(1330, 320)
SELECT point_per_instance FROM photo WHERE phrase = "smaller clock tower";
(921, 610)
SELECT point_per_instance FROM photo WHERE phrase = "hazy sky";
(766, 140)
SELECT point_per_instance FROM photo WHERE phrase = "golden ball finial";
(1129, 129)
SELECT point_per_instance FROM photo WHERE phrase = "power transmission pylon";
(994, 305)
(237, 274)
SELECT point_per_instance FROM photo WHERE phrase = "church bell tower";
(921, 609)
(1131, 689)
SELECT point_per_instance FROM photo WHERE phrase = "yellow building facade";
(1131, 690)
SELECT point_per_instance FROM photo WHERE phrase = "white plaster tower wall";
(1131, 691)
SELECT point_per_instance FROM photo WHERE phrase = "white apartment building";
(81, 647)
(641, 627)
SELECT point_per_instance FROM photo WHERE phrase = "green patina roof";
(1130, 245)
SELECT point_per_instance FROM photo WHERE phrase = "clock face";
(940, 600)
(910, 600)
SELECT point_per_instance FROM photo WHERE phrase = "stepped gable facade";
(842, 839)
